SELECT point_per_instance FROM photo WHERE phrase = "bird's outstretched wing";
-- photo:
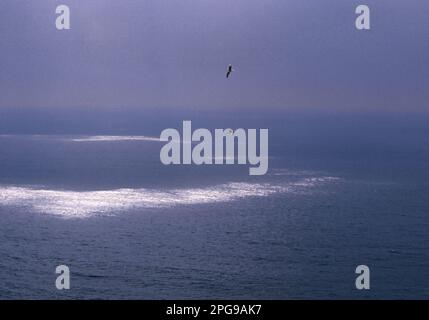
(228, 73)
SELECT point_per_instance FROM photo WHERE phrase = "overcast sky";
(174, 53)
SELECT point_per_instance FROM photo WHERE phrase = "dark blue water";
(339, 193)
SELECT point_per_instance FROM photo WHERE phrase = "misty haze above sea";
(340, 191)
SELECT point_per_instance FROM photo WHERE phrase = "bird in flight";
(230, 70)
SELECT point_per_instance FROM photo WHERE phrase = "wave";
(112, 138)
(83, 204)
(74, 138)
(289, 172)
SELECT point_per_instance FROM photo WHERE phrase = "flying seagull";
(230, 70)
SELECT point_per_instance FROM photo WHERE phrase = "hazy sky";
(173, 54)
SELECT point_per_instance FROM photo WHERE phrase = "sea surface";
(337, 195)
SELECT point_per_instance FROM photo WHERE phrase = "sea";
(340, 192)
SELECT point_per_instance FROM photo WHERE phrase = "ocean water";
(334, 198)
